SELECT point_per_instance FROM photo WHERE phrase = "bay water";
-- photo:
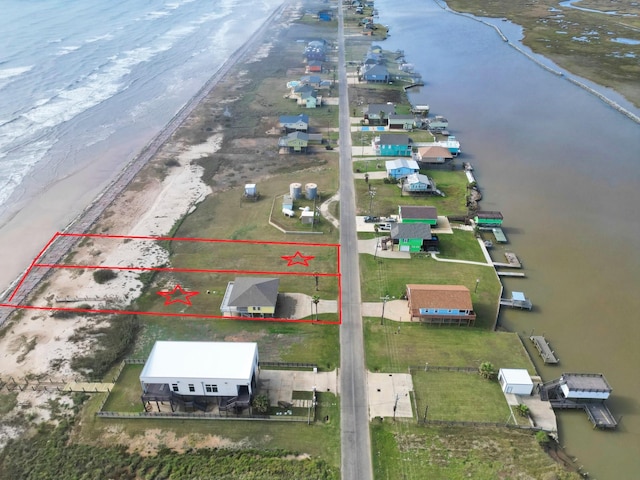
(564, 169)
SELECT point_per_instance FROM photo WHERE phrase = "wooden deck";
(512, 261)
(548, 355)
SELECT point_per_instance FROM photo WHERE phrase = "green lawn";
(459, 396)
(418, 344)
(388, 195)
(125, 396)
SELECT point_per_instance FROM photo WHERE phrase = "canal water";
(563, 168)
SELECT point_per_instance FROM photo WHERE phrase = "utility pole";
(384, 299)
(477, 282)
(372, 193)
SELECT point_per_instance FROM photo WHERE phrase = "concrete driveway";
(280, 384)
(299, 305)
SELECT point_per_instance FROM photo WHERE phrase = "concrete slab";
(540, 412)
(280, 384)
(389, 390)
(397, 310)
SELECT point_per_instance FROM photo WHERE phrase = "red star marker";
(297, 259)
(184, 296)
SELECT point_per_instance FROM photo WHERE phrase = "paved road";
(356, 445)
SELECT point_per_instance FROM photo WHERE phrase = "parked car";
(370, 219)
(384, 227)
(389, 219)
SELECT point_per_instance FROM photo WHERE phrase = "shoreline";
(56, 250)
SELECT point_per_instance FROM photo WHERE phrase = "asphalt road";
(354, 418)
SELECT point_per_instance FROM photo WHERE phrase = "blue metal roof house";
(401, 168)
(376, 74)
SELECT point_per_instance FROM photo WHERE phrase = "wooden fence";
(440, 368)
(200, 416)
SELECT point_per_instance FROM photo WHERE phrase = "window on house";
(211, 388)
(175, 388)
(192, 388)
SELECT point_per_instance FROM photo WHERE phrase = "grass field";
(460, 397)
(388, 196)
(417, 345)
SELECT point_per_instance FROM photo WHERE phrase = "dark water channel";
(563, 168)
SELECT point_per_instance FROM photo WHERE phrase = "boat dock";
(499, 234)
(511, 274)
(512, 261)
(548, 355)
(517, 300)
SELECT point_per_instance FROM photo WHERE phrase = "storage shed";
(515, 380)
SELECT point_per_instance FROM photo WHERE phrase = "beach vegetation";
(487, 371)
(113, 339)
(410, 451)
(104, 275)
(580, 42)
(50, 455)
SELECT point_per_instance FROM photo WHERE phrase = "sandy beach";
(161, 185)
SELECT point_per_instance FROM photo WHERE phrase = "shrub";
(103, 276)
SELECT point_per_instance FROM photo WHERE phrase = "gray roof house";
(298, 123)
(376, 74)
(378, 111)
(251, 297)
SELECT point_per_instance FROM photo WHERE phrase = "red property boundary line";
(36, 264)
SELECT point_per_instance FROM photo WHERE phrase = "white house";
(212, 369)
(515, 380)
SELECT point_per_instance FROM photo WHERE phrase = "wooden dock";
(512, 261)
(499, 234)
(548, 355)
(517, 300)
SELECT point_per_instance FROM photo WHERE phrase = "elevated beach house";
(294, 123)
(251, 297)
(413, 237)
(376, 74)
(393, 145)
(419, 183)
(401, 168)
(434, 154)
(197, 374)
(402, 121)
(295, 142)
(378, 113)
(418, 214)
(441, 304)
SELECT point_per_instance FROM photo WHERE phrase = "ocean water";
(85, 85)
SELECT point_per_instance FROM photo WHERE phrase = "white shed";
(216, 369)
(515, 380)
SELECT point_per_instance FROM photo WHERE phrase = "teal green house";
(414, 237)
(393, 145)
(418, 214)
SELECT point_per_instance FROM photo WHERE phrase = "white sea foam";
(7, 73)
(69, 49)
